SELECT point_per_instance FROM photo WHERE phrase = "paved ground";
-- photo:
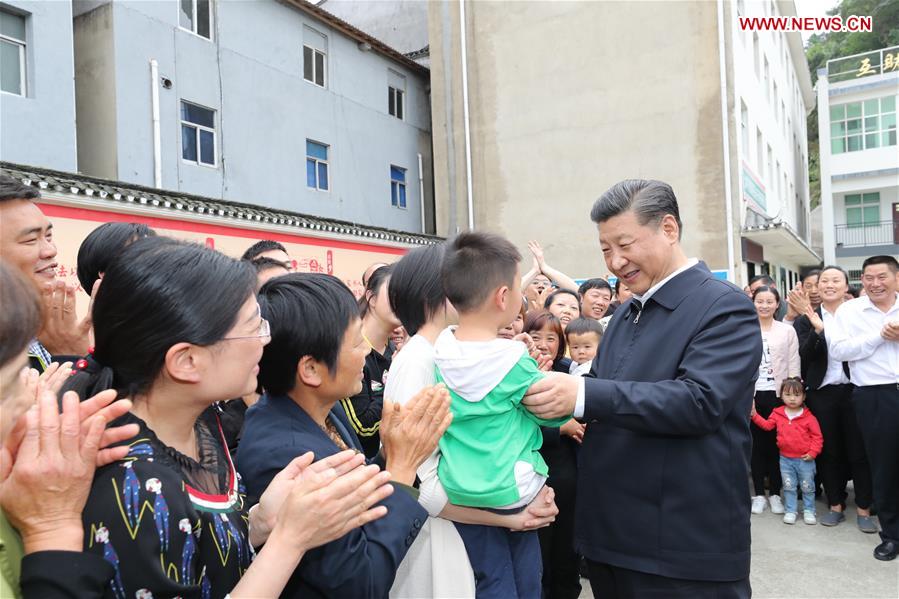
(815, 562)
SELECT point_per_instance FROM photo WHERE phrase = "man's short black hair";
(260, 247)
(13, 189)
(264, 263)
(309, 314)
(415, 289)
(650, 200)
(765, 279)
(582, 326)
(102, 246)
(891, 262)
(814, 272)
(474, 265)
(596, 283)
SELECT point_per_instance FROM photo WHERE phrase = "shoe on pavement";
(886, 551)
(867, 524)
(758, 504)
(790, 518)
(777, 505)
(809, 517)
(833, 518)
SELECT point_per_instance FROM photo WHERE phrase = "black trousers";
(843, 457)
(561, 572)
(765, 455)
(611, 582)
(877, 410)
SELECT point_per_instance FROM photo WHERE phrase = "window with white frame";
(396, 94)
(760, 152)
(756, 52)
(315, 57)
(863, 125)
(744, 128)
(317, 175)
(397, 186)
(12, 53)
(198, 134)
(196, 16)
(862, 209)
(314, 66)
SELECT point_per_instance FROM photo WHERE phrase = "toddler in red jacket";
(799, 440)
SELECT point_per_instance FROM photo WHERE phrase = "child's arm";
(768, 424)
(816, 440)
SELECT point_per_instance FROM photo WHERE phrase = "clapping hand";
(62, 333)
(797, 299)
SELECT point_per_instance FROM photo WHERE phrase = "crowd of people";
(228, 427)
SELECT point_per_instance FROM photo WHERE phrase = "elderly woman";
(46, 466)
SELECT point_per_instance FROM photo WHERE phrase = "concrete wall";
(95, 93)
(250, 73)
(39, 128)
(401, 24)
(566, 99)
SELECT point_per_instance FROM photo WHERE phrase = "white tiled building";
(857, 99)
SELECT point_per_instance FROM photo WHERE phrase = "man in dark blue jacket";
(663, 493)
(314, 359)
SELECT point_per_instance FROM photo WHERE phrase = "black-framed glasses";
(265, 330)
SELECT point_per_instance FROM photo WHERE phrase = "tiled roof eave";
(115, 192)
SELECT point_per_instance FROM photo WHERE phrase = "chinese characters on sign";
(879, 62)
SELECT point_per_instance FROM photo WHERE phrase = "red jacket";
(796, 437)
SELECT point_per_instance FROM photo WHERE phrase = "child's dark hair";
(102, 246)
(474, 265)
(552, 297)
(309, 314)
(373, 288)
(159, 292)
(768, 289)
(260, 247)
(794, 384)
(535, 320)
(416, 291)
(582, 326)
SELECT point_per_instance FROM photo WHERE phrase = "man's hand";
(62, 333)
(807, 457)
(797, 301)
(553, 396)
(890, 331)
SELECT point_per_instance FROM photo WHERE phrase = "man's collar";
(666, 283)
(869, 305)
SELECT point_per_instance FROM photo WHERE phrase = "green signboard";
(753, 190)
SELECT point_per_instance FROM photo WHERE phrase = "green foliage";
(827, 46)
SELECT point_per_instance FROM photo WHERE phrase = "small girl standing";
(799, 440)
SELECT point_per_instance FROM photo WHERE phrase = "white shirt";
(834, 374)
(856, 339)
(436, 564)
(581, 386)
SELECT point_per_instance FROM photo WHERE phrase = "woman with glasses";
(177, 329)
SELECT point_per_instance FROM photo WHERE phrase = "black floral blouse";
(169, 525)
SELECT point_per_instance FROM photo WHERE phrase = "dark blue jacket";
(664, 467)
(362, 563)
